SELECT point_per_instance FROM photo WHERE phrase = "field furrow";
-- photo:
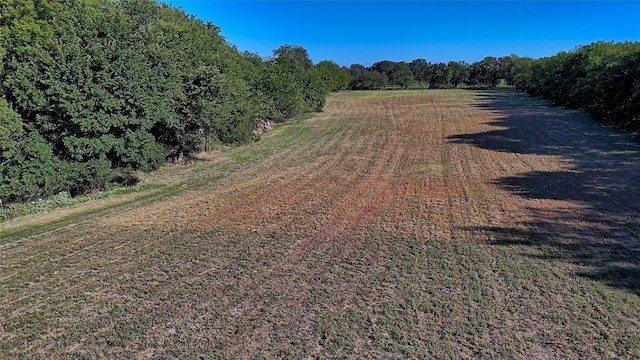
(393, 225)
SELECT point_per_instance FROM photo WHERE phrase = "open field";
(393, 225)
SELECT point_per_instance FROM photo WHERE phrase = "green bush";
(601, 77)
(92, 89)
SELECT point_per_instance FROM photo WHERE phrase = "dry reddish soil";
(397, 224)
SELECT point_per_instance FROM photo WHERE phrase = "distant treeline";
(603, 78)
(421, 73)
(92, 90)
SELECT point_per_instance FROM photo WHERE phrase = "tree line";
(421, 73)
(92, 90)
(603, 78)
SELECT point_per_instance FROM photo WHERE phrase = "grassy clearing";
(393, 225)
(63, 199)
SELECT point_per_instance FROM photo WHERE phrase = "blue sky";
(364, 32)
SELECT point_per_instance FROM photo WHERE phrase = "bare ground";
(401, 224)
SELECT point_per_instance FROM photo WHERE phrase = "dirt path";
(392, 225)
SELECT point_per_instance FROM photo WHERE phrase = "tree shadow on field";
(600, 231)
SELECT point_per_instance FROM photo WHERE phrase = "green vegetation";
(356, 233)
(63, 199)
(422, 74)
(603, 78)
(92, 90)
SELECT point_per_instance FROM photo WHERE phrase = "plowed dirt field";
(393, 225)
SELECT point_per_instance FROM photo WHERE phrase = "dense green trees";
(397, 73)
(309, 90)
(485, 72)
(93, 89)
(402, 75)
(439, 76)
(421, 71)
(332, 76)
(459, 72)
(363, 78)
(603, 78)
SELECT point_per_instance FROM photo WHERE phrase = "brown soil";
(253, 262)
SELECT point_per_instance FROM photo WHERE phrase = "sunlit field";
(392, 225)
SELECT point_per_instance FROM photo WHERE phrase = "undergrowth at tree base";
(64, 199)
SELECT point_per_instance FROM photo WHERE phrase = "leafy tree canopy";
(93, 88)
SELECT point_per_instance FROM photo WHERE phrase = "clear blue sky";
(364, 32)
